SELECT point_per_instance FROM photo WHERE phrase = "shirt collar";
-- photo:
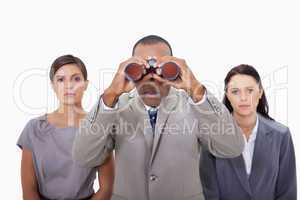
(150, 107)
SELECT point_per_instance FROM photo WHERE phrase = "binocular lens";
(134, 71)
(170, 71)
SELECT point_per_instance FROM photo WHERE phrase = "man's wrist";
(110, 97)
(197, 91)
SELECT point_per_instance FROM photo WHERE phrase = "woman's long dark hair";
(263, 106)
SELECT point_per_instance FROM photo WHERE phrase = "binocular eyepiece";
(135, 72)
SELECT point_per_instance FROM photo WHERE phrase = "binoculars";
(135, 72)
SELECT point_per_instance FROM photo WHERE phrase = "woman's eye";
(250, 90)
(60, 80)
(234, 91)
(77, 79)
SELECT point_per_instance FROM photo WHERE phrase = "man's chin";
(151, 100)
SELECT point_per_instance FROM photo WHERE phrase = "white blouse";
(249, 148)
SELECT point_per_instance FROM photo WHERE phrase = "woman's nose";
(243, 96)
(69, 84)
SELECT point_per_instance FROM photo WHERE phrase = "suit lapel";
(166, 107)
(260, 150)
(239, 168)
(140, 114)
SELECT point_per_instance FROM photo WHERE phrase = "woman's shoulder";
(274, 126)
(39, 124)
(35, 129)
(35, 120)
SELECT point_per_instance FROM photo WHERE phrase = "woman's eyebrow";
(233, 88)
(59, 76)
(75, 74)
(247, 87)
(250, 87)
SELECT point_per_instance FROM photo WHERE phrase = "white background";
(212, 36)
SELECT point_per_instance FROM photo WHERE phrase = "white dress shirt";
(249, 148)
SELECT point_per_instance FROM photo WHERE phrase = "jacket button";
(153, 177)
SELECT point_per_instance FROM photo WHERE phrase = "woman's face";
(243, 92)
(69, 84)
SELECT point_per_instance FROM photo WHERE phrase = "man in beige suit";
(157, 128)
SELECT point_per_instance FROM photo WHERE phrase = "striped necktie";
(152, 115)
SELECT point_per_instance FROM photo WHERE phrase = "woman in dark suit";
(266, 169)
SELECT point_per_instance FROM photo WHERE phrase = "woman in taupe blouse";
(47, 168)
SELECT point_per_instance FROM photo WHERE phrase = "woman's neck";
(70, 110)
(246, 123)
(70, 115)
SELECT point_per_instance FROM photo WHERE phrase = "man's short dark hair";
(152, 39)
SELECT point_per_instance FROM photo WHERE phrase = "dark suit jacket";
(273, 174)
